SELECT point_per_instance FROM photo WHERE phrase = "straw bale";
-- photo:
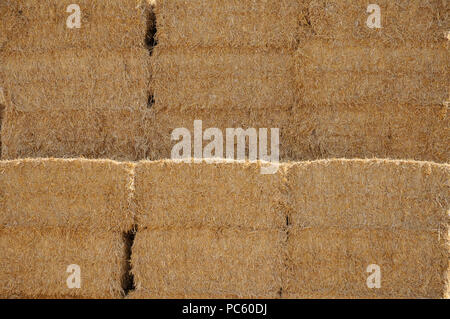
(380, 194)
(78, 79)
(39, 26)
(184, 195)
(332, 263)
(97, 133)
(329, 74)
(232, 23)
(165, 120)
(34, 263)
(94, 195)
(414, 23)
(367, 131)
(223, 79)
(192, 263)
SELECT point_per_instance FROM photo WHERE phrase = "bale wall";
(368, 131)
(404, 22)
(346, 215)
(34, 263)
(193, 263)
(92, 195)
(77, 79)
(233, 23)
(97, 133)
(222, 79)
(38, 26)
(181, 195)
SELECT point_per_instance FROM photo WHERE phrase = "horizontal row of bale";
(387, 131)
(224, 230)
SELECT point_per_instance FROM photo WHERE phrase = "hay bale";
(38, 26)
(77, 79)
(231, 23)
(404, 22)
(96, 133)
(332, 263)
(369, 193)
(170, 194)
(34, 262)
(222, 79)
(331, 74)
(348, 214)
(163, 122)
(193, 263)
(93, 195)
(368, 131)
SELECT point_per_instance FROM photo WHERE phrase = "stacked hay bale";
(372, 92)
(350, 214)
(227, 63)
(207, 231)
(311, 230)
(56, 213)
(74, 92)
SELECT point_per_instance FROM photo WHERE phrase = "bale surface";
(97, 133)
(414, 23)
(332, 263)
(233, 23)
(369, 193)
(368, 131)
(170, 194)
(188, 263)
(39, 26)
(166, 120)
(77, 79)
(216, 78)
(34, 262)
(330, 74)
(94, 195)
(346, 215)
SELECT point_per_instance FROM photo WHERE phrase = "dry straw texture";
(368, 131)
(346, 215)
(329, 74)
(415, 23)
(193, 263)
(37, 26)
(92, 195)
(77, 79)
(207, 195)
(162, 124)
(222, 79)
(99, 133)
(34, 263)
(332, 263)
(235, 23)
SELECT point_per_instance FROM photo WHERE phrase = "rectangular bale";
(403, 22)
(77, 79)
(35, 261)
(193, 263)
(223, 79)
(368, 131)
(334, 263)
(77, 193)
(166, 120)
(96, 133)
(231, 23)
(379, 194)
(330, 74)
(40, 26)
(171, 194)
